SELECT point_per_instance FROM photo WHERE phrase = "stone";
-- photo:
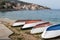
(4, 32)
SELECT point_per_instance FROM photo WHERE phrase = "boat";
(51, 31)
(32, 24)
(40, 28)
(18, 24)
(23, 22)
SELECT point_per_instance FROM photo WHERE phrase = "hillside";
(20, 5)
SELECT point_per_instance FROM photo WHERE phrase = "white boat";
(39, 28)
(18, 23)
(31, 25)
(22, 22)
(51, 32)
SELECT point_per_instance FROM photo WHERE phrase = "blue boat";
(51, 31)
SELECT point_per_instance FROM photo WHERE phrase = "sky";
(53, 4)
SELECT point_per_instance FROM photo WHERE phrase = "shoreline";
(21, 34)
(7, 10)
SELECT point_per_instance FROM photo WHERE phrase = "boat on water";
(51, 32)
(40, 28)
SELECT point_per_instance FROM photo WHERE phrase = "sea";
(52, 15)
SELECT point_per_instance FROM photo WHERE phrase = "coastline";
(6, 10)
(21, 34)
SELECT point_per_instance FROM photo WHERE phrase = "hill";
(20, 5)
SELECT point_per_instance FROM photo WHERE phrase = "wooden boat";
(51, 31)
(22, 22)
(31, 24)
(40, 28)
(18, 24)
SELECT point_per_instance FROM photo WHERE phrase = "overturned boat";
(18, 23)
(23, 22)
(51, 31)
(32, 24)
(40, 28)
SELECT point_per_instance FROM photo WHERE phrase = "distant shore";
(13, 6)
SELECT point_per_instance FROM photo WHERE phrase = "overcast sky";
(54, 4)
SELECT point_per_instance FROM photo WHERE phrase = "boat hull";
(51, 32)
(18, 24)
(31, 25)
(37, 30)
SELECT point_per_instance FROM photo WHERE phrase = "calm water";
(48, 15)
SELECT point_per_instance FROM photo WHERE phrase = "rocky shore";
(20, 5)
(19, 34)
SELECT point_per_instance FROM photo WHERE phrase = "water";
(48, 15)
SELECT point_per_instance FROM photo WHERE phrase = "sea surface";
(47, 15)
